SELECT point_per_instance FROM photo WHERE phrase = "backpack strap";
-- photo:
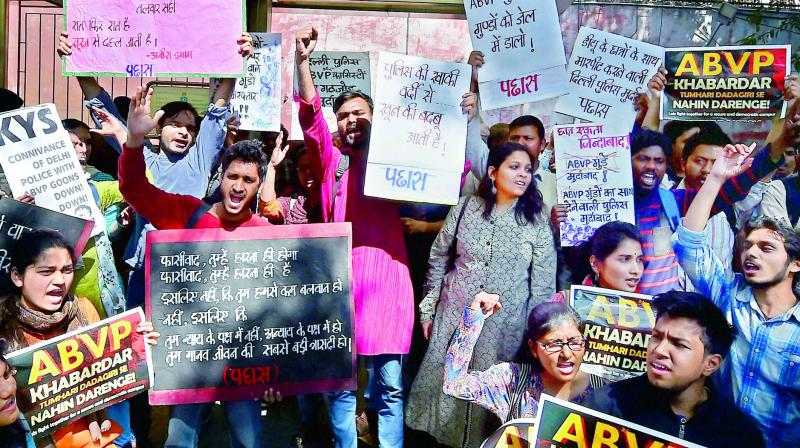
(198, 213)
(344, 164)
(515, 403)
(670, 207)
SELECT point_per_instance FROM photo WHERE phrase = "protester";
(382, 291)
(761, 303)
(243, 169)
(615, 260)
(501, 242)
(302, 207)
(41, 307)
(512, 389)
(676, 396)
(14, 430)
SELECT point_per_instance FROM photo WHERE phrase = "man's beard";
(766, 284)
(360, 145)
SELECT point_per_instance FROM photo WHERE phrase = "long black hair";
(12, 435)
(529, 205)
(24, 253)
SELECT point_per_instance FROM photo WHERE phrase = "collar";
(659, 399)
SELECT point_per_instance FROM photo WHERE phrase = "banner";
(561, 424)
(246, 310)
(417, 108)
(536, 86)
(38, 159)
(607, 73)
(257, 97)
(169, 38)
(617, 331)
(67, 377)
(334, 72)
(593, 179)
(17, 218)
(516, 37)
(725, 83)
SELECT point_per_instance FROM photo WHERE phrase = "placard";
(561, 424)
(593, 179)
(196, 96)
(417, 108)
(257, 97)
(725, 83)
(17, 218)
(67, 377)
(617, 330)
(515, 36)
(607, 73)
(39, 160)
(169, 38)
(246, 310)
(536, 86)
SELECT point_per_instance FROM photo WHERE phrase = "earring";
(494, 189)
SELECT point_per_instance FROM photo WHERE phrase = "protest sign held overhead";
(257, 96)
(617, 331)
(417, 106)
(334, 72)
(67, 377)
(516, 37)
(137, 39)
(725, 83)
(593, 179)
(240, 312)
(39, 160)
(536, 86)
(607, 72)
(17, 218)
(561, 424)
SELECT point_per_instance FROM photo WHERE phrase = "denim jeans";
(385, 391)
(244, 419)
(121, 414)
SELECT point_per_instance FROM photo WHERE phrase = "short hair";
(717, 335)
(498, 134)
(350, 95)
(527, 120)
(173, 108)
(712, 135)
(9, 100)
(123, 105)
(543, 318)
(79, 128)
(791, 239)
(647, 138)
(248, 151)
(675, 128)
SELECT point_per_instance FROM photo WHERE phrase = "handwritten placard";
(594, 180)
(39, 160)
(515, 36)
(417, 107)
(725, 83)
(243, 311)
(607, 73)
(536, 86)
(162, 38)
(257, 97)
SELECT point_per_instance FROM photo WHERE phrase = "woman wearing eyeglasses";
(548, 362)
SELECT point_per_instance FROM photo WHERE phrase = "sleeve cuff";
(690, 237)
(217, 111)
(308, 109)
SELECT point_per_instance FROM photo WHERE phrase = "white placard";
(593, 178)
(515, 36)
(606, 74)
(536, 86)
(257, 97)
(39, 160)
(418, 130)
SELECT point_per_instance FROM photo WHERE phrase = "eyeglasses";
(575, 344)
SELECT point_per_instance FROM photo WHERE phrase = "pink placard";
(147, 38)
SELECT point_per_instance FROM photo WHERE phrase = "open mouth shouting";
(648, 179)
(659, 368)
(180, 143)
(750, 268)
(566, 367)
(632, 282)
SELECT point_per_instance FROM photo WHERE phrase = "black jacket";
(717, 422)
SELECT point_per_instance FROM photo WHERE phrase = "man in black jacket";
(675, 396)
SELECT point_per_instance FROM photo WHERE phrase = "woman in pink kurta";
(384, 299)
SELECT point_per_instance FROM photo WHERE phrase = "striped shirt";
(762, 370)
(661, 272)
